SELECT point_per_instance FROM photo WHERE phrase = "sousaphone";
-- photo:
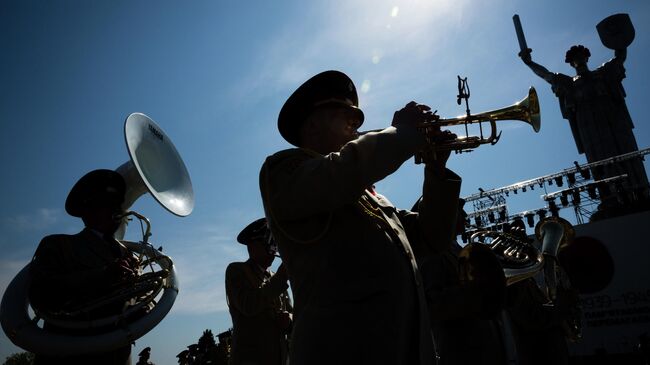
(155, 167)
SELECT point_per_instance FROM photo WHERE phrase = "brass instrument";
(527, 110)
(155, 167)
(521, 260)
(556, 233)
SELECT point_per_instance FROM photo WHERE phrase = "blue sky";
(214, 76)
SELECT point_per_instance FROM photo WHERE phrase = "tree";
(22, 358)
(206, 341)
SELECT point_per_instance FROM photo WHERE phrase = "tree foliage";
(21, 358)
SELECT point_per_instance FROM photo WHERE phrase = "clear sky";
(214, 75)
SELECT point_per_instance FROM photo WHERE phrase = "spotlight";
(575, 195)
(491, 217)
(571, 178)
(523, 189)
(507, 193)
(541, 213)
(564, 200)
(553, 208)
(530, 218)
(550, 182)
(558, 181)
(515, 191)
(478, 221)
(591, 189)
(583, 172)
(502, 215)
(532, 187)
(541, 184)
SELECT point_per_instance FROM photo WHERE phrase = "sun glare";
(365, 86)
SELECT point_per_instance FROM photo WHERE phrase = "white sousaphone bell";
(155, 166)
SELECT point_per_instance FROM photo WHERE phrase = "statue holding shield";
(593, 101)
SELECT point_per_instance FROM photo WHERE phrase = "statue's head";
(577, 56)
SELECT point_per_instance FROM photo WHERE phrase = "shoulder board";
(288, 160)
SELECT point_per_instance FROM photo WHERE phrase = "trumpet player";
(259, 304)
(350, 254)
(70, 271)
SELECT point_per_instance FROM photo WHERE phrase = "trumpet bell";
(530, 105)
(527, 110)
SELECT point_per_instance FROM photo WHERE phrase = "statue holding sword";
(593, 101)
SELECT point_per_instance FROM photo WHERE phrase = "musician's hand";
(437, 160)
(413, 115)
(123, 269)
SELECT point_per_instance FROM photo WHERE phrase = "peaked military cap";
(329, 87)
(254, 231)
(96, 183)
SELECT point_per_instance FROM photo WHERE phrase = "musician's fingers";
(414, 105)
(410, 104)
(449, 135)
(423, 107)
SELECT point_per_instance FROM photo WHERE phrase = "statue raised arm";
(538, 69)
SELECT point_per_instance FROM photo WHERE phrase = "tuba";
(155, 167)
(521, 260)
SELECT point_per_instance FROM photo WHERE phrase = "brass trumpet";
(527, 110)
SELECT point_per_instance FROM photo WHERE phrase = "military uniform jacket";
(254, 299)
(69, 270)
(351, 255)
(461, 336)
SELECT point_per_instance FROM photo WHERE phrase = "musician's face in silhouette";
(259, 252)
(100, 211)
(329, 128)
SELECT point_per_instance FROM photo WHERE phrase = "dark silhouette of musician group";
(371, 283)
